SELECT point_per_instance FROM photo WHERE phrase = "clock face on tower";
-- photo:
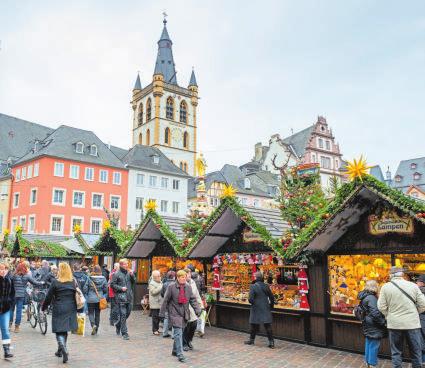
(177, 136)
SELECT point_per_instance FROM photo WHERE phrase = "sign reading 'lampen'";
(390, 222)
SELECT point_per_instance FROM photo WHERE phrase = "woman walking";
(61, 295)
(97, 289)
(7, 293)
(20, 281)
(373, 322)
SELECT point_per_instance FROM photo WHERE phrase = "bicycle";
(34, 312)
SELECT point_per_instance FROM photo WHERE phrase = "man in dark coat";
(262, 301)
(44, 274)
(7, 295)
(421, 283)
(176, 302)
(122, 284)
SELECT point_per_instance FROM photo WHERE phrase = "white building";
(153, 176)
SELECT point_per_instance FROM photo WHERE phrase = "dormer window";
(247, 183)
(79, 147)
(93, 150)
(155, 159)
(413, 166)
(398, 178)
(417, 176)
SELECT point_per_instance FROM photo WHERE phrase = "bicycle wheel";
(32, 315)
(42, 322)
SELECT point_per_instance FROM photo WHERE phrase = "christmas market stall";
(237, 241)
(367, 228)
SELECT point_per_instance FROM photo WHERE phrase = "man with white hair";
(155, 299)
(401, 301)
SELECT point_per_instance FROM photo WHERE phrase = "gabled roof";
(299, 140)
(164, 61)
(61, 144)
(17, 136)
(376, 172)
(141, 157)
(405, 171)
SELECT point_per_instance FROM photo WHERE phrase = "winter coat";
(155, 299)
(400, 312)
(199, 281)
(64, 314)
(178, 314)
(262, 300)
(101, 287)
(7, 293)
(44, 274)
(20, 283)
(422, 315)
(193, 317)
(165, 285)
(374, 322)
(122, 278)
(105, 273)
(83, 281)
(111, 292)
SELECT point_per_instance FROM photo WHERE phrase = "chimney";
(258, 151)
(388, 174)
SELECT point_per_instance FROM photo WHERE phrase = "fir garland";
(39, 248)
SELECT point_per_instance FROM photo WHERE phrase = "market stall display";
(164, 264)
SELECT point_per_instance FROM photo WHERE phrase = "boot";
(62, 347)
(249, 342)
(7, 353)
(16, 329)
(271, 344)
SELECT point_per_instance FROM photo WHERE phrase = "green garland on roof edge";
(112, 241)
(36, 249)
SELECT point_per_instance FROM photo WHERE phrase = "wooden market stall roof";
(231, 216)
(351, 201)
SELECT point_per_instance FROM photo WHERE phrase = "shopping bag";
(200, 327)
(81, 320)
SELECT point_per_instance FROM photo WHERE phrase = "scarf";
(182, 295)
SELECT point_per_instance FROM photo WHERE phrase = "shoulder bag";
(406, 294)
(79, 297)
(103, 303)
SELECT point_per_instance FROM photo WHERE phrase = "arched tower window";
(140, 138)
(185, 166)
(181, 165)
(183, 112)
(167, 136)
(169, 109)
(140, 115)
(148, 110)
(148, 137)
(185, 139)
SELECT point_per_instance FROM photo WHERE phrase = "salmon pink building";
(69, 178)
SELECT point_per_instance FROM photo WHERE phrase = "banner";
(390, 222)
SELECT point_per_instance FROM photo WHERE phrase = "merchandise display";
(414, 264)
(236, 275)
(348, 275)
(164, 264)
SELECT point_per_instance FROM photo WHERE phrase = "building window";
(416, 176)
(59, 168)
(97, 201)
(175, 207)
(33, 197)
(103, 176)
(414, 194)
(140, 115)
(93, 150)
(23, 222)
(78, 199)
(148, 110)
(320, 143)
(328, 145)
(167, 138)
(413, 166)
(36, 169)
(164, 206)
(164, 183)
(176, 184)
(244, 200)
(15, 200)
(95, 226)
(325, 162)
(398, 178)
(148, 137)
(24, 173)
(115, 202)
(57, 222)
(79, 147)
(140, 180)
(76, 221)
(140, 139)
(116, 179)
(247, 183)
(313, 158)
(89, 174)
(14, 224)
(185, 139)
(18, 175)
(152, 181)
(183, 112)
(256, 202)
(59, 197)
(169, 109)
(155, 159)
(1, 221)
(31, 224)
(30, 172)
(336, 164)
(139, 203)
(74, 172)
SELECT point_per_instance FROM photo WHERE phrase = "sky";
(262, 68)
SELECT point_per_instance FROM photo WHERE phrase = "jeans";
(124, 310)
(19, 303)
(256, 327)
(371, 351)
(414, 340)
(165, 331)
(155, 319)
(189, 332)
(4, 327)
(94, 314)
(178, 341)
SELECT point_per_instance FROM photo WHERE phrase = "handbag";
(103, 303)
(81, 323)
(80, 300)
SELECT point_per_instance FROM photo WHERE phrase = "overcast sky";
(263, 67)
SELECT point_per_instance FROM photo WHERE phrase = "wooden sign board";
(390, 222)
(250, 237)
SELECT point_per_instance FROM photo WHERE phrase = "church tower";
(165, 113)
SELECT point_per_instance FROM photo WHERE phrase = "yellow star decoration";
(6, 232)
(77, 229)
(106, 225)
(228, 191)
(150, 205)
(357, 169)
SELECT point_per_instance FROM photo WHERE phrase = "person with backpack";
(373, 322)
(401, 301)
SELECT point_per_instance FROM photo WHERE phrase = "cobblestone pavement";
(219, 348)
